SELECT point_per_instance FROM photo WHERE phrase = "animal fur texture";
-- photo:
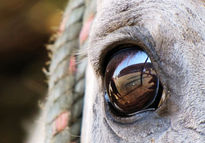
(172, 32)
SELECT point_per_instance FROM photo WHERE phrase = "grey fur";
(173, 34)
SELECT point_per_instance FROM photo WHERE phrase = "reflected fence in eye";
(139, 57)
(132, 84)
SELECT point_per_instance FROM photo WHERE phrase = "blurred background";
(25, 28)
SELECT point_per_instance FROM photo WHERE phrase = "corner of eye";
(162, 109)
(99, 76)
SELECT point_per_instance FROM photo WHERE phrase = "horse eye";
(131, 82)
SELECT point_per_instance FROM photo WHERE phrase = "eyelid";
(106, 46)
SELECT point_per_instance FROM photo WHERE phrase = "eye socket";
(131, 82)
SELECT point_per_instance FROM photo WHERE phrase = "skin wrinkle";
(141, 38)
(101, 39)
(129, 35)
(172, 32)
(118, 137)
(130, 19)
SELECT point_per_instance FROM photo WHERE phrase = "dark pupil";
(131, 81)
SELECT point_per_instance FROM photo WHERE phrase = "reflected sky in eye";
(137, 58)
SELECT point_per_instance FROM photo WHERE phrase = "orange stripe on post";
(72, 65)
(61, 122)
(62, 25)
(86, 29)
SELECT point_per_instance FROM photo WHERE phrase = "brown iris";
(131, 81)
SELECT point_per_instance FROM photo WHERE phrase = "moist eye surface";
(131, 82)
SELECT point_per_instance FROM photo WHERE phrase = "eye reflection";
(140, 57)
(131, 81)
